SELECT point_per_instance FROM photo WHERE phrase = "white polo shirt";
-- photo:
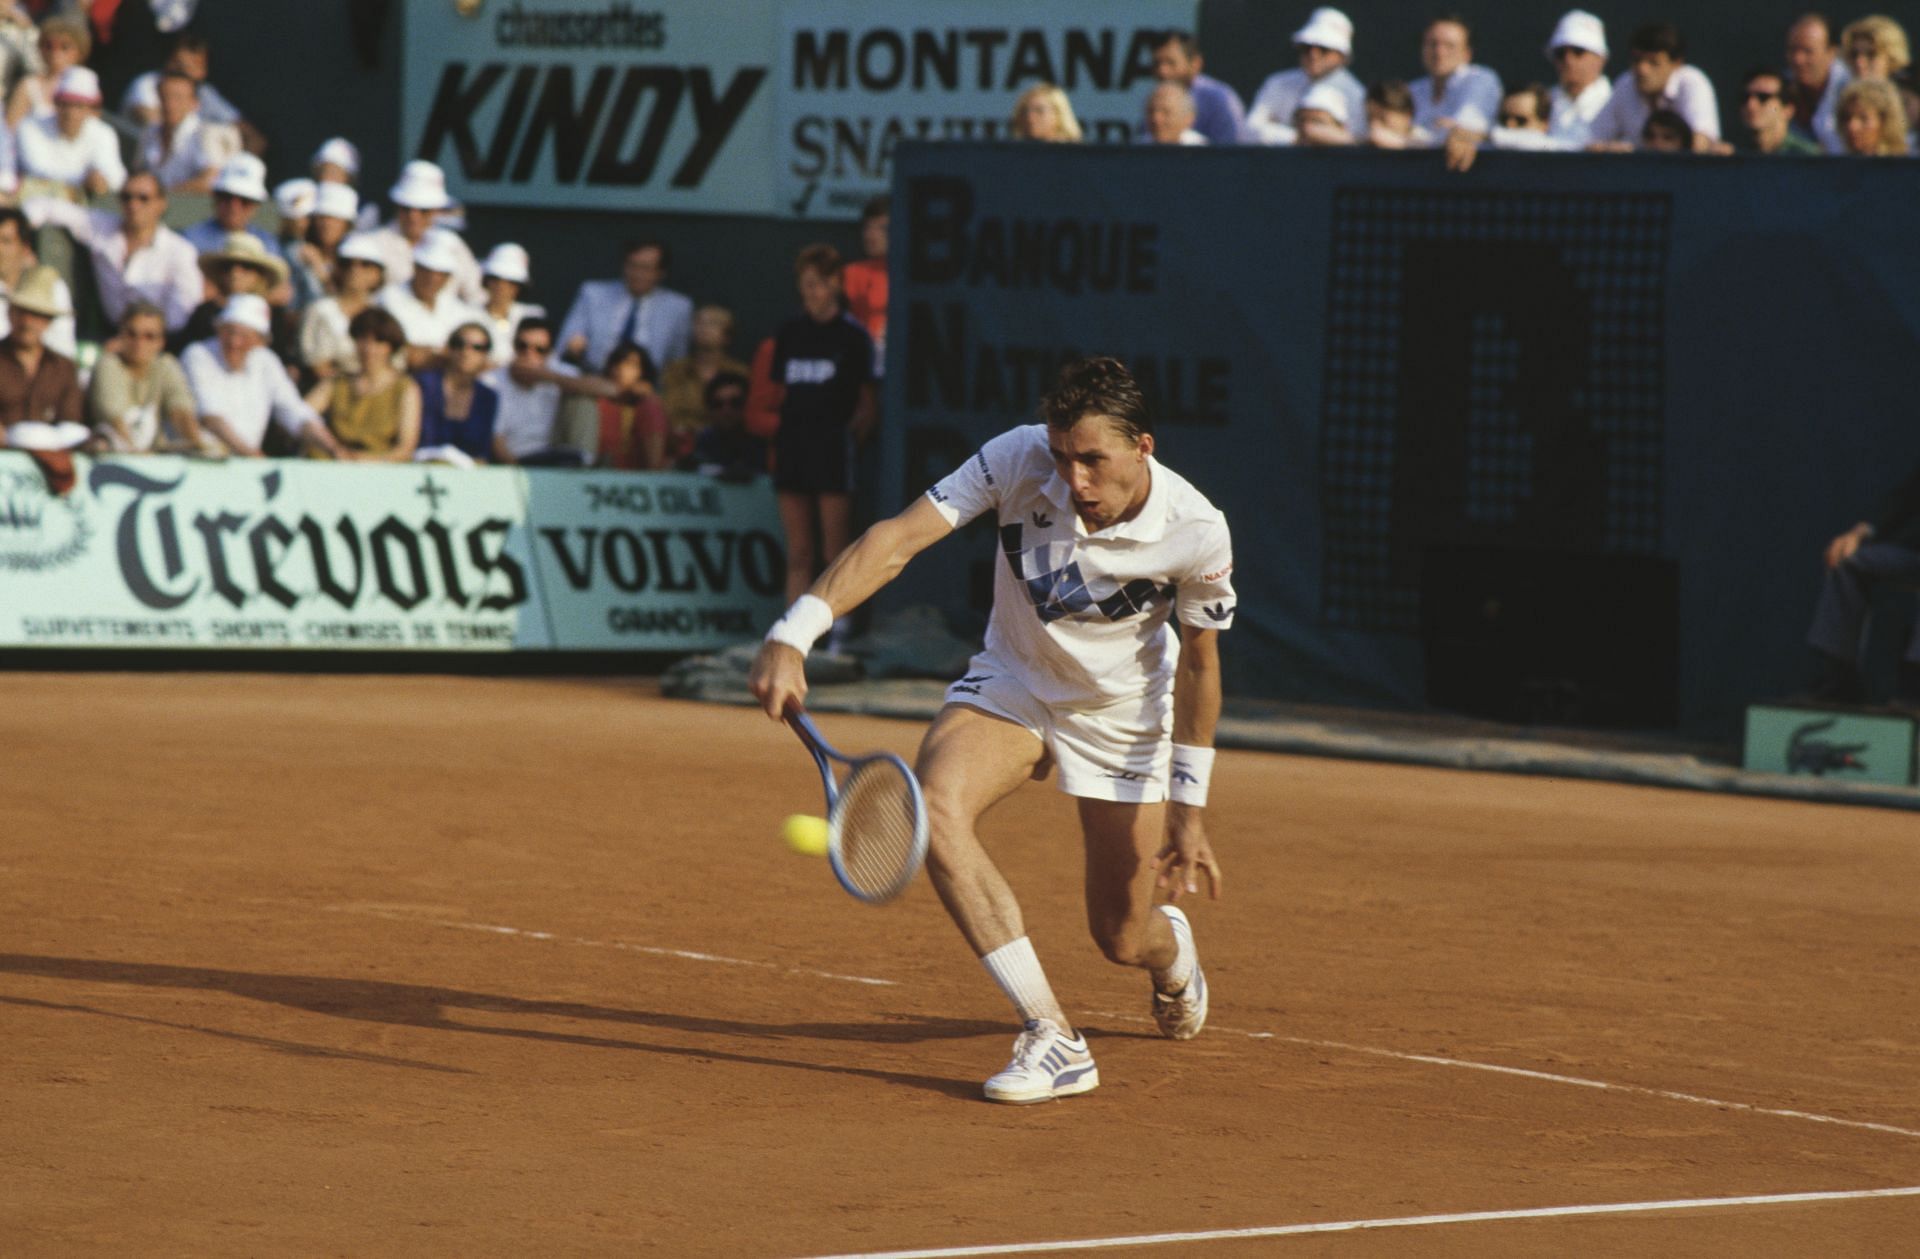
(1083, 616)
(1570, 125)
(248, 398)
(1688, 93)
(44, 152)
(1470, 97)
(1271, 118)
(429, 326)
(527, 413)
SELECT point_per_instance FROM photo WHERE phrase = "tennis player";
(1081, 671)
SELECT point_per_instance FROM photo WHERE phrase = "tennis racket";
(876, 819)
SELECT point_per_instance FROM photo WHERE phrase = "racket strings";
(879, 829)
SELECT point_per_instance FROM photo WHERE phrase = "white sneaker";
(1046, 1064)
(1182, 1014)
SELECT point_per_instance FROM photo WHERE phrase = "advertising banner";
(661, 105)
(161, 551)
(857, 77)
(658, 562)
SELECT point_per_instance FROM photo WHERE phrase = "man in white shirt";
(1324, 46)
(190, 57)
(136, 256)
(1815, 78)
(419, 199)
(637, 307)
(1578, 51)
(240, 385)
(1660, 79)
(182, 146)
(1103, 547)
(524, 430)
(426, 305)
(73, 149)
(1454, 92)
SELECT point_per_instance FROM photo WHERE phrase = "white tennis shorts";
(1121, 752)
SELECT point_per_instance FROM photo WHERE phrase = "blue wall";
(1704, 360)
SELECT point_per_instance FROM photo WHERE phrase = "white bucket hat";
(336, 201)
(362, 247)
(243, 176)
(422, 186)
(508, 262)
(1330, 99)
(1327, 28)
(249, 310)
(438, 250)
(1579, 29)
(295, 198)
(340, 152)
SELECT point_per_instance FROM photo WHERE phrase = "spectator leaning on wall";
(1323, 47)
(1218, 114)
(1660, 79)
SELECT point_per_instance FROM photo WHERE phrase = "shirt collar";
(1150, 525)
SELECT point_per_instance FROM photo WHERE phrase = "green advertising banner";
(168, 552)
(655, 562)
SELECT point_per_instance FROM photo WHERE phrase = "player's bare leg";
(1122, 840)
(969, 762)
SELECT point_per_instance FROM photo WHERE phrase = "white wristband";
(1192, 769)
(804, 623)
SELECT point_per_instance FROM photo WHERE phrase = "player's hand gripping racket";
(876, 820)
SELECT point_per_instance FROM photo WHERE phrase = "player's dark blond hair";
(1097, 386)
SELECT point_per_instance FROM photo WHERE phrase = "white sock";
(1015, 968)
(1174, 979)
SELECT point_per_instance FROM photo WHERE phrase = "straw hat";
(39, 293)
(245, 248)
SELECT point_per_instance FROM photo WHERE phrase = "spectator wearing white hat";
(238, 194)
(1170, 117)
(1325, 47)
(335, 208)
(359, 273)
(637, 307)
(336, 161)
(72, 151)
(136, 256)
(1578, 51)
(293, 200)
(240, 385)
(36, 382)
(1218, 114)
(180, 145)
(1454, 92)
(419, 199)
(17, 261)
(506, 273)
(425, 304)
(1322, 119)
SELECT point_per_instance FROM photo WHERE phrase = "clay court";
(372, 966)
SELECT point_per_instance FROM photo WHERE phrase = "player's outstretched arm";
(1196, 714)
(779, 677)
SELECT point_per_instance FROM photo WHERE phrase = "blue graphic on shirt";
(1061, 591)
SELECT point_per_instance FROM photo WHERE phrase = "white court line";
(684, 954)
(1465, 1064)
(1403, 1221)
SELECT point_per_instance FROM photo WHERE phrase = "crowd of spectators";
(1837, 90)
(323, 329)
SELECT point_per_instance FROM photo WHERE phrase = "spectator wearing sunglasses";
(1660, 79)
(1323, 46)
(531, 386)
(458, 410)
(724, 448)
(136, 256)
(1524, 122)
(1578, 51)
(238, 194)
(374, 413)
(139, 399)
(1766, 115)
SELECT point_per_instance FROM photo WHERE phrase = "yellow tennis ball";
(805, 835)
